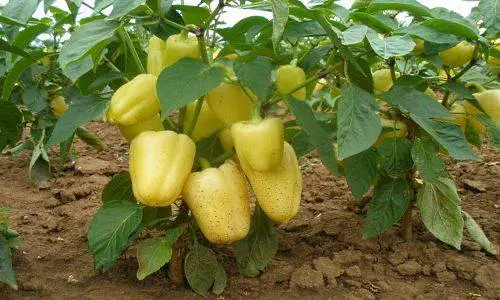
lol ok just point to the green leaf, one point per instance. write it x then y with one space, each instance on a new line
64 151
39 168
395 155
101 4
354 34
428 34
111 230
360 171
440 209
317 135
15 72
184 81
411 6
12 48
492 129
490 11
35 99
303 29
152 254
379 23
358 124
82 110
314 57
356 77
84 39
256 75
200 267
20 10
449 136
220 280
89 138
477 234
391 46
389 203
193 14
25 37
123 7
452 27
471 135
77 68
408 99
119 188
10 122
427 161
172 234
259 247
280 17
7 274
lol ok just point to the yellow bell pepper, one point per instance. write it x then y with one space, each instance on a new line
206 124
457 55
58 105
131 131
160 163
134 101
218 199
490 102
157 56
226 140
259 143
181 45
419 46
278 191
288 77
382 80
492 60
230 103
398 129
459 115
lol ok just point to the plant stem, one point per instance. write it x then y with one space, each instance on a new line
222 158
200 35
391 64
189 130
256 111
407 221
126 38
176 25
214 14
112 66
204 164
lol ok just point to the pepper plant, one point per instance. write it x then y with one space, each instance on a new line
382 92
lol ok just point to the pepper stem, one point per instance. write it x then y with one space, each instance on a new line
204 164
184 34
256 111
476 85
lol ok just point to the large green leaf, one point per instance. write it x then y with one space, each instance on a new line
317 135
395 155
490 11
411 6
428 34
427 161
84 39
118 188
35 99
389 203
82 110
379 23
356 77
477 234
358 124
25 37
391 46
111 230
354 34
7 274
314 57
10 122
440 209
15 72
360 171
152 254
202 269
280 17
259 247
77 68
123 7
452 27
303 29
448 135
20 10
256 75
39 168
184 81
5 46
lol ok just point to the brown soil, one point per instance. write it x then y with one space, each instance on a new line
321 254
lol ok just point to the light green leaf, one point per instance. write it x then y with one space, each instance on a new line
391 46
490 10
39 168
411 6
440 209
389 203
111 230
354 34
427 161
358 124
17 70
256 75
77 68
452 27
377 22
184 81
280 17
477 234
152 254
123 7
7 274
20 10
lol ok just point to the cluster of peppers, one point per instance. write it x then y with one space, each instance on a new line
161 161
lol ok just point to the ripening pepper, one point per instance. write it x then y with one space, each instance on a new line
206 124
230 103
419 46
288 77
181 45
218 199
134 101
493 60
382 80
160 163
259 143
391 128
58 105
457 55
490 102
459 115
157 56
131 131
226 140
277 191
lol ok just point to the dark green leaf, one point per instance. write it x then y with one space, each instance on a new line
411 6
34 99
123 7
82 110
256 75
184 81
15 72
379 23
7 274
389 203
428 34
452 27
64 151
25 37
314 57
358 124
10 122
4 46
152 254
471 135
220 280
360 171
111 230
493 130
280 17
440 209
20 10
172 234
77 68
89 138
193 14
200 267
490 11
356 77
395 155
427 161
303 29
259 247
119 188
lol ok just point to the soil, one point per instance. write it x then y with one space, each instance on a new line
321 256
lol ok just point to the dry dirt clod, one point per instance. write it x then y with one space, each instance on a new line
353 271
347 257
398 257
67 196
51 202
474 185
409 268
89 165
364 294
488 276
445 276
307 278
329 269
277 271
